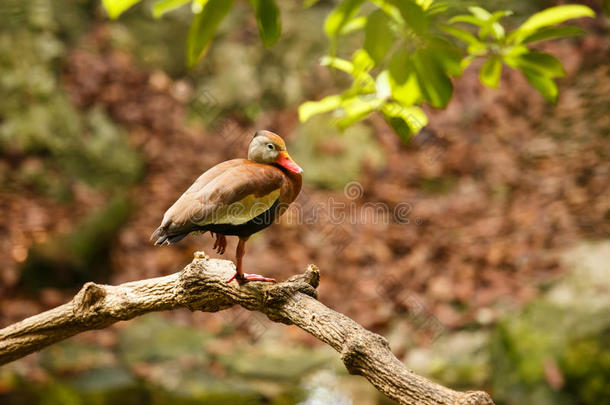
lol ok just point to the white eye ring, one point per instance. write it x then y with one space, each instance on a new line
270 146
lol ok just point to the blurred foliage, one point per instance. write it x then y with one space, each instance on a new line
332 158
54 147
160 361
36 117
555 351
81 255
410 50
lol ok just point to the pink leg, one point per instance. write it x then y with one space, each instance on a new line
220 244
240 276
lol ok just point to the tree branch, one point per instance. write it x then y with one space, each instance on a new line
201 286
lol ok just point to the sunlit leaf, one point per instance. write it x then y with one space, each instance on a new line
490 72
461 34
362 61
363 81
467 19
544 84
403 79
165 6
424 4
356 108
405 121
337 63
268 20
115 8
497 15
539 62
203 28
548 17
408 93
353 25
340 15
556 15
464 63
382 85
378 37
552 32
311 108
480 13
390 10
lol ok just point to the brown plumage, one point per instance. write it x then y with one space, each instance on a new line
238 197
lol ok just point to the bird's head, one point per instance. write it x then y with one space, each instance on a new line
267 147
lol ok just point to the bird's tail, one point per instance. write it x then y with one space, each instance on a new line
162 237
159 235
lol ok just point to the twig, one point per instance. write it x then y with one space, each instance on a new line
201 286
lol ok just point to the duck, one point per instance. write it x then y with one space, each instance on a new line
238 197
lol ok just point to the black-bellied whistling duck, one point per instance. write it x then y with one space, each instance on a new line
238 197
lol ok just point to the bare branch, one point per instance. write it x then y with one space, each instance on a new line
201 286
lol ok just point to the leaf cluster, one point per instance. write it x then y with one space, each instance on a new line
409 54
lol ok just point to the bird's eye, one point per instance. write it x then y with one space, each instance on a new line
270 146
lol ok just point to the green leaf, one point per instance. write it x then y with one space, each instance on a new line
340 15
433 81
480 13
378 37
556 15
311 108
383 87
353 25
447 55
165 6
468 19
405 121
487 21
461 34
497 15
362 62
413 14
390 10
203 28
399 65
548 17
115 8
544 84
490 72
552 32
363 82
268 21
354 109
407 93
424 4
539 62
403 79
338 63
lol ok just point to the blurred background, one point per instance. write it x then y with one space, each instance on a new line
495 275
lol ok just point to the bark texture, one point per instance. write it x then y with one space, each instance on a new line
201 286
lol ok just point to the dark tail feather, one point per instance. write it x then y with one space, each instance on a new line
159 235
163 238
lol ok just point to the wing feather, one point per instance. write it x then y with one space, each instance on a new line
233 195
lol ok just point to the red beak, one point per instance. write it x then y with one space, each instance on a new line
286 162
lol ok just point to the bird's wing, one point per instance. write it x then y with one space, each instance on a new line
212 173
235 196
